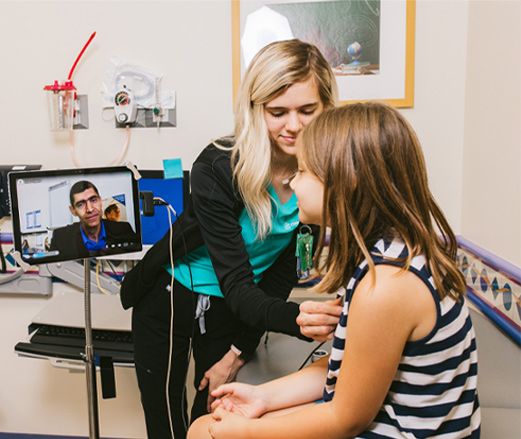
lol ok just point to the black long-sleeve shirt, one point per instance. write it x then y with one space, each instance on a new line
212 219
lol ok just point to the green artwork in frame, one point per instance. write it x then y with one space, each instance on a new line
368 43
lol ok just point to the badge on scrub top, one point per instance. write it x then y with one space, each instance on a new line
304 252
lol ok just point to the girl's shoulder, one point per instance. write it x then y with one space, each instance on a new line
398 294
395 271
392 284
393 251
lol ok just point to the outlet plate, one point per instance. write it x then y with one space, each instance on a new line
145 118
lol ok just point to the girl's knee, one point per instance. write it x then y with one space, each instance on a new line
199 428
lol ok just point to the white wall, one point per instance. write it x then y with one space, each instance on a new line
491 202
190 43
187 41
437 116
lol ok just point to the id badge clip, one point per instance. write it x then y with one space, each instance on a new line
304 252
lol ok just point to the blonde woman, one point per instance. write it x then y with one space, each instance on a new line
234 247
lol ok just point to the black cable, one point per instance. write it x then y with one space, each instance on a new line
311 354
190 345
3 265
113 269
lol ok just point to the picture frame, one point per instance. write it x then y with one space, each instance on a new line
393 79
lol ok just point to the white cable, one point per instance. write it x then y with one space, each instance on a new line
97 279
171 338
171 335
11 276
173 210
168 205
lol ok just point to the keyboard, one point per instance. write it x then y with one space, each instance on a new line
75 337
41 350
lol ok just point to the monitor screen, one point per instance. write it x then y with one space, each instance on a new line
69 214
172 190
5 206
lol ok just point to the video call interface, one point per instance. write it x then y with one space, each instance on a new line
103 218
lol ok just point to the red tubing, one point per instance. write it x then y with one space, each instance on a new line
81 53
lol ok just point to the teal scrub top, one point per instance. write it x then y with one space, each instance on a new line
262 252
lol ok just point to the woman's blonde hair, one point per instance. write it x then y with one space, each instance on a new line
375 185
272 71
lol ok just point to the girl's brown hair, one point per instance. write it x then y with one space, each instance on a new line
375 185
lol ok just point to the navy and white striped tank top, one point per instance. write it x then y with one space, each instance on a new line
433 393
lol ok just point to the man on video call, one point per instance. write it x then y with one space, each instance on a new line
91 233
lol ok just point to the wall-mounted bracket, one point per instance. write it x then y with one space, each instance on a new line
81 113
147 119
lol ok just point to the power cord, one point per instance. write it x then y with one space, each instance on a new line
170 209
171 334
114 272
193 328
160 202
11 276
98 264
3 265
317 347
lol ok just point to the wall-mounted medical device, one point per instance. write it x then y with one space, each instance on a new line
153 107
63 103
125 107
60 100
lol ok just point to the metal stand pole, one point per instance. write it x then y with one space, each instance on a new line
90 364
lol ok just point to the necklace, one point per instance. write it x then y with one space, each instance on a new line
280 168
287 180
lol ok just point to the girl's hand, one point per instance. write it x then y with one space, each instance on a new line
224 371
318 320
239 398
228 425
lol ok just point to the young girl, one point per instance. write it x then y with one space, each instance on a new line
233 247
403 362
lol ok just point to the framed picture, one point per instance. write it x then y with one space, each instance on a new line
368 43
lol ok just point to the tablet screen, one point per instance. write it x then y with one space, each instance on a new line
69 214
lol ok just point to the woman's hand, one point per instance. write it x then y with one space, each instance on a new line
224 371
318 320
228 425
239 398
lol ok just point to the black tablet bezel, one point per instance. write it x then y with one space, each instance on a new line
91 174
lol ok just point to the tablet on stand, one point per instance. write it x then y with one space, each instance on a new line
59 215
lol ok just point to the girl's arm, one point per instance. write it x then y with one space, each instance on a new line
306 385
381 320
